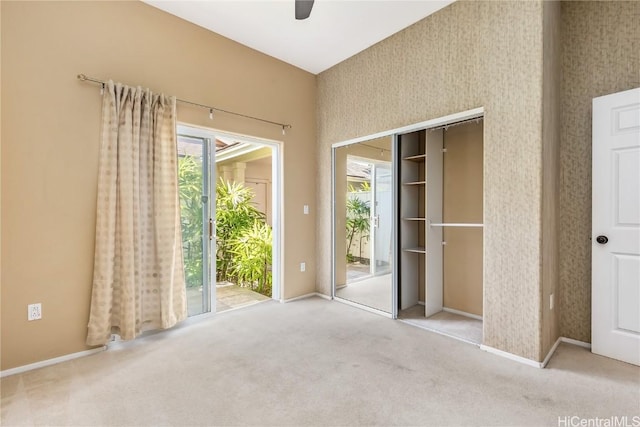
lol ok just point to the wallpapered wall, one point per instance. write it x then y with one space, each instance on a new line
549 327
467 55
600 55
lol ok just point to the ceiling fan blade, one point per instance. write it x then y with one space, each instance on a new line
303 8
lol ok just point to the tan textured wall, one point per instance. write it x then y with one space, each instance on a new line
600 55
462 202
50 131
549 327
466 55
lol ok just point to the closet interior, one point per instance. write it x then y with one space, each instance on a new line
440 229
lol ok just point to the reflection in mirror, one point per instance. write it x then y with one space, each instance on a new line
363 219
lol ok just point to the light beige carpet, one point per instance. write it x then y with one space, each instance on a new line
315 362
451 324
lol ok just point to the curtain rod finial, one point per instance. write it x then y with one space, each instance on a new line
82 77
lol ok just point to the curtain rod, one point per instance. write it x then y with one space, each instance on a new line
211 109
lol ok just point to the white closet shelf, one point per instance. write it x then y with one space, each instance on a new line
416 158
415 183
417 249
454 224
415 218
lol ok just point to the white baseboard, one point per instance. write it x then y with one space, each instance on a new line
568 341
309 295
576 342
511 356
327 297
551 352
49 362
533 363
461 313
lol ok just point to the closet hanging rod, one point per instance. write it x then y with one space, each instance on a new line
84 78
454 224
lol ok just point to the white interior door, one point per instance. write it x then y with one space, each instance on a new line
615 319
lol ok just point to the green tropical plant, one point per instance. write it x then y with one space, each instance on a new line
190 192
252 258
243 238
358 212
363 188
235 216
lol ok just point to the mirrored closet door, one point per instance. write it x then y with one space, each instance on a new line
363 223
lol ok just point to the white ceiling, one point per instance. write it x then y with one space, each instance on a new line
335 31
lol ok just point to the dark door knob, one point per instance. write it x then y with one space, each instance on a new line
602 239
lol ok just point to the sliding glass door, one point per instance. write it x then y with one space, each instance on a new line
196 213
231 184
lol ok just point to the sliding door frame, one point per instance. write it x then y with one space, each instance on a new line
428 124
277 217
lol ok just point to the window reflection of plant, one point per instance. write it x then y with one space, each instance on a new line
358 214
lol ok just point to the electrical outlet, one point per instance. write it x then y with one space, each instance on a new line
551 302
303 266
305 209
34 311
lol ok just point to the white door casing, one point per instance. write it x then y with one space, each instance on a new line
615 279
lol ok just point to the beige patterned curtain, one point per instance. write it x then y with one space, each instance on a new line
138 278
